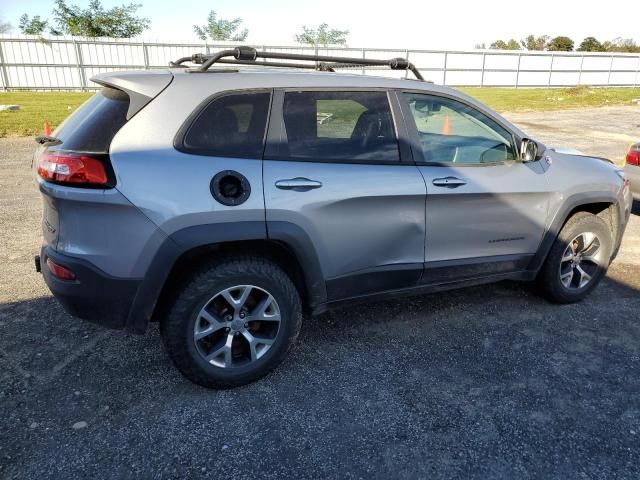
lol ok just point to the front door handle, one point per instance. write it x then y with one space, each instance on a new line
299 184
448 182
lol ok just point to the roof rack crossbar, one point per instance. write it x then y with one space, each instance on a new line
197 58
248 56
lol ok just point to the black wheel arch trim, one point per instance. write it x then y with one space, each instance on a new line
166 256
148 293
187 239
302 247
562 215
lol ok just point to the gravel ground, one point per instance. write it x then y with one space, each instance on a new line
604 132
484 382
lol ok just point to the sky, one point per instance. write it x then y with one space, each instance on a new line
427 24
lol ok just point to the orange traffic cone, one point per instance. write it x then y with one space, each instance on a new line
446 127
47 129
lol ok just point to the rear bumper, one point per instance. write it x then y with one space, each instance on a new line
94 295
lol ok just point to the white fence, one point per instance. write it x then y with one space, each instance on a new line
66 63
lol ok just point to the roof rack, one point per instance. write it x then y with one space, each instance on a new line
248 56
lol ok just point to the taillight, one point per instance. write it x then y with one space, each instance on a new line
633 157
72 169
58 271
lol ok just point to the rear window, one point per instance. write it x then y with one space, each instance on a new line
92 127
230 126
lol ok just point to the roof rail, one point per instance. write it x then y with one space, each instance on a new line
248 56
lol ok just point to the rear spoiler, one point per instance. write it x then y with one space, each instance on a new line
142 86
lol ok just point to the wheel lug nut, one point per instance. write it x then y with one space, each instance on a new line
237 333
228 318
227 329
246 325
242 314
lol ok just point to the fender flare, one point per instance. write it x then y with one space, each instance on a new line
185 240
561 217
294 237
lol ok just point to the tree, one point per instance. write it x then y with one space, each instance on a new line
322 36
502 45
220 29
95 21
535 43
32 26
590 44
560 44
626 45
5 27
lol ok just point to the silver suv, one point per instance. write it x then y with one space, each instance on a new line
227 203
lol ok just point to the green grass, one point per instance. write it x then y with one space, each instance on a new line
539 99
53 107
35 109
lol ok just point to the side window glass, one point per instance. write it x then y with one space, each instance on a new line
230 126
339 126
92 127
452 132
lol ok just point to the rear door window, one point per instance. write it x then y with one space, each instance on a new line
92 127
339 126
230 126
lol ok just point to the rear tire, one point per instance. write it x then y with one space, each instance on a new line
233 323
578 259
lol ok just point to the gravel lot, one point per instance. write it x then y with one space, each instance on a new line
483 382
605 132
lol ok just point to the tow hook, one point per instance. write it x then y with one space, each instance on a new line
36 260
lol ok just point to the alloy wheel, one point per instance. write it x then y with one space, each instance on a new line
580 261
237 326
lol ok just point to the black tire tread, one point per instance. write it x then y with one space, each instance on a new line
548 281
214 271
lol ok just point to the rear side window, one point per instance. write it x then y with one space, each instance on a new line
92 127
230 126
339 126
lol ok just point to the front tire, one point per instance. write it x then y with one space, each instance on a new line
578 259
233 323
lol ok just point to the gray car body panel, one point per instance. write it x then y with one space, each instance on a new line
569 175
359 218
578 180
502 210
101 227
141 85
633 174
171 187
385 221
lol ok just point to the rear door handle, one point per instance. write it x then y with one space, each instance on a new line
299 184
448 182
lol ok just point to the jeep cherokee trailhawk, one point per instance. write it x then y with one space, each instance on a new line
226 202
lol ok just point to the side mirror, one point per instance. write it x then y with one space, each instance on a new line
528 150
